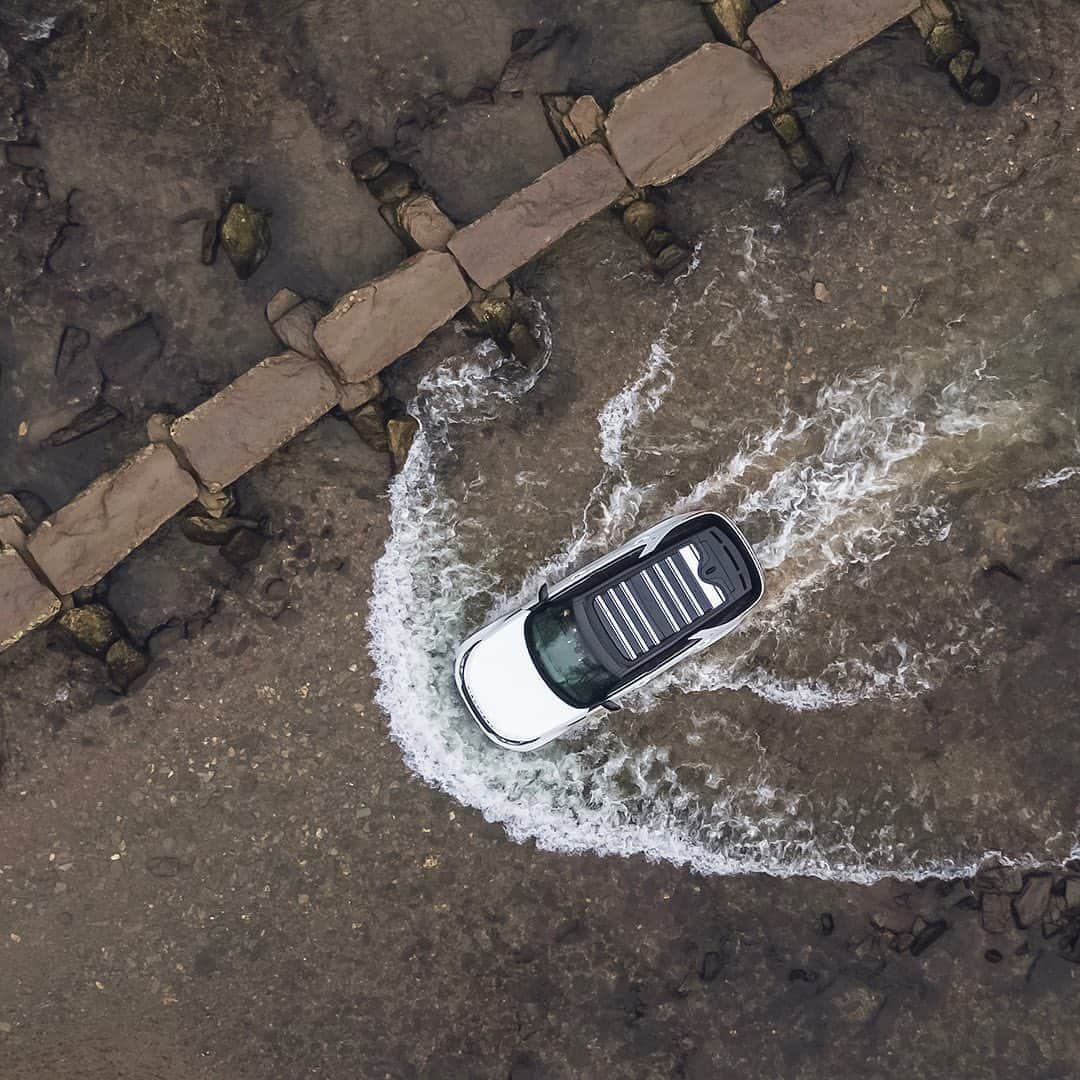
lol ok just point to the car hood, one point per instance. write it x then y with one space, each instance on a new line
503 686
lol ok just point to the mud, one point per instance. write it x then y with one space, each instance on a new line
286 852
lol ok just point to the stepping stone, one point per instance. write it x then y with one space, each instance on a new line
798 38
83 541
264 408
532 219
666 125
24 602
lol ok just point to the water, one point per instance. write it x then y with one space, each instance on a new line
840 499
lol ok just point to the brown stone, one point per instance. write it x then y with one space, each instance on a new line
24 602
357 395
83 541
532 219
375 324
14 523
92 627
996 912
1030 906
585 121
798 38
247 421
428 227
280 303
666 125
400 434
295 329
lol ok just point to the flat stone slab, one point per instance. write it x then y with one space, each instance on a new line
666 125
798 38
24 602
246 422
83 541
373 325
520 227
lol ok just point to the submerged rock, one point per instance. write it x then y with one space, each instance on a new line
245 238
92 627
1030 905
243 546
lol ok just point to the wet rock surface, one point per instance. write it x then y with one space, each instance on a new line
199 874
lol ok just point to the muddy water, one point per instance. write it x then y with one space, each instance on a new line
855 727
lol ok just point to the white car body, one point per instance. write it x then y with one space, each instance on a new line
517 706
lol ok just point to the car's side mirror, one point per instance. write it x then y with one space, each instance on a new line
611 706
543 593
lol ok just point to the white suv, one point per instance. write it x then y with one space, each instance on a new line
608 629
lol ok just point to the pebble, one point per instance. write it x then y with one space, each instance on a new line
821 291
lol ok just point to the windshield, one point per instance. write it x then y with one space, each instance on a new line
559 652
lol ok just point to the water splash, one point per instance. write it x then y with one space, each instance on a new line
821 494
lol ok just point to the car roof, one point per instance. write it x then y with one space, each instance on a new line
636 612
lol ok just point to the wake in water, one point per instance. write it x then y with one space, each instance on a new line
819 494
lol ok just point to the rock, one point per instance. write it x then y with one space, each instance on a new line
821 291
126 359
1030 905
245 238
78 377
656 241
89 420
400 434
426 225
84 540
244 547
243 424
996 913
670 261
357 395
375 324
204 529
14 523
393 184
24 602
542 61
711 965
827 923
370 166
799 38
640 218
999 878
494 315
530 220
927 936
666 125
1055 918
93 628
125 663
1072 893
585 121
369 422
276 589
294 323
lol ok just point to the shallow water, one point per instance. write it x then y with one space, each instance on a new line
784 749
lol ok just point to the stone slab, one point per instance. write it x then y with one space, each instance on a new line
373 325
666 125
428 227
83 541
532 219
24 602
247 421
798 38
294 323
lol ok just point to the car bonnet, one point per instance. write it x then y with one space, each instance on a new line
505 688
